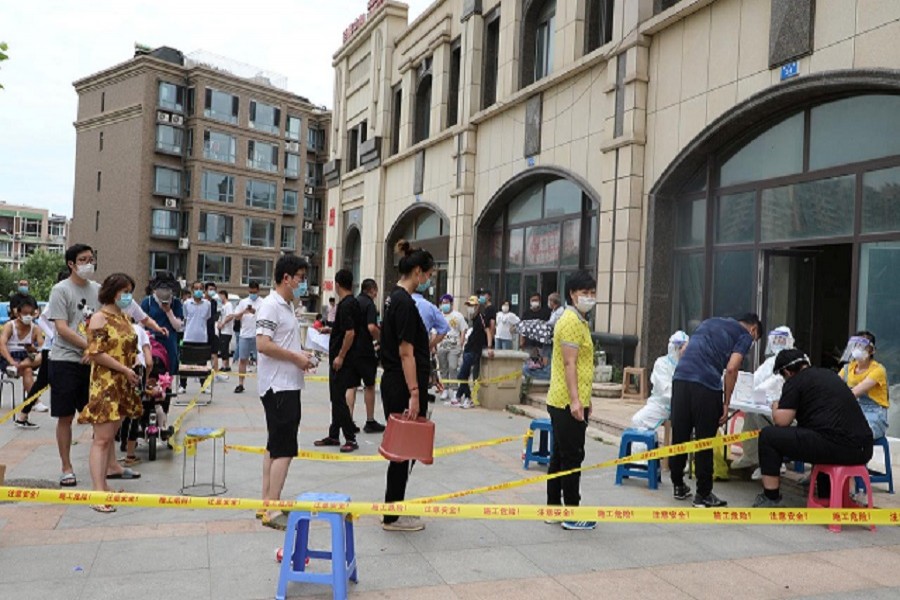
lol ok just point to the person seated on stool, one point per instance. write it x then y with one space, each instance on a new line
831 428
867 380
659 404
767 381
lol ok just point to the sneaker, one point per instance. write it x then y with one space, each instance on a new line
456 402
763 501
681 492
226 370
445 395
350 446
239 389
756 475
553 521
26 424
327 441
579 525
206 390
40 407
221 377
710 501
181 390
355 428
467 403
404 524
13 372
373 427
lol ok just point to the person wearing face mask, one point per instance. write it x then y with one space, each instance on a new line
659 404
367 336
506 324
768 382
554 303
449 350
480 338
16 298
431 315
112 351
245 313
196 319
569 396
867 379
699 402
536 309
212 330
164 306
406 360
489 311
19 342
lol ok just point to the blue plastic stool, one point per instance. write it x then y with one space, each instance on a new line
296 548
651 471
545 443
886 477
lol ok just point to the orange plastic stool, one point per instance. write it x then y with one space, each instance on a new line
407 439
840 476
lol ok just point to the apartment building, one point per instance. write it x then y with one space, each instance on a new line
25 230
702 157
199 166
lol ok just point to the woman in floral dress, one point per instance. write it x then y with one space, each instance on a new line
114 395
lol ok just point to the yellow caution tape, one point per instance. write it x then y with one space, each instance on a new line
31 400
505 512
176 426
665 451
335 457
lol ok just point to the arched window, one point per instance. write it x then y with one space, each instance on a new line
423 102
422 225
537 44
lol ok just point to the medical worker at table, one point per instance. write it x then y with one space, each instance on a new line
867 380
659 404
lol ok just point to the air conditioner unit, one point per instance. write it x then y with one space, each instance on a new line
184 243
310 189
171 203
162 117
177 120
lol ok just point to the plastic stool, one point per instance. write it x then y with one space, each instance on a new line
296 548
545 443
888 475
651 471
192 438
840 476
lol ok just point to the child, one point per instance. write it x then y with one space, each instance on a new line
131 428
19 342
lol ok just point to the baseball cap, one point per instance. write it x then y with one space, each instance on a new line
447 298
472 301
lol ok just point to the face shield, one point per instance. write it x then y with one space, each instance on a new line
780 339
677 342
857 348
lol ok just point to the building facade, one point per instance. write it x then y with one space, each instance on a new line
197 166
702 157
25 230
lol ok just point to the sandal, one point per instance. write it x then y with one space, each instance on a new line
68 480
125 474
130 461
278 522
103 508
327 441
261 513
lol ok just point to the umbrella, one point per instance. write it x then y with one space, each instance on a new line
537 330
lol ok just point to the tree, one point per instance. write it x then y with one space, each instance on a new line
41 270
3 55
7 284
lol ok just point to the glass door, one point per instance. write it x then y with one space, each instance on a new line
789 295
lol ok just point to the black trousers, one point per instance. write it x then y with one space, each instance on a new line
395 399
567 453
695 409
799 443
41 381
341 419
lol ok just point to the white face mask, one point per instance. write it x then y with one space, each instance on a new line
858 354
586 304
27 319
84 271
535 305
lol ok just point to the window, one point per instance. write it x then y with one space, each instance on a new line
221 106
813 209
315 139
262 156
491 62
31 227
101 141
6 249
776 152
169 139
291 165
853 130
395 119
537 41
219 146
57 229
599 23
191 94
214 267
218 187
259 233
453 91
256 269
102 101
215 228
265 117
293 127
261 194
880 201
166 223
423 103
99 180
171 96
165 262
313 170
736 218
166 182
661 5
289 205
288 237
312 208
352 149
311 242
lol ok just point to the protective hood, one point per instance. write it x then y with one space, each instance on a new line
780 339
677 341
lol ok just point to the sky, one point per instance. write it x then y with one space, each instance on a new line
55 42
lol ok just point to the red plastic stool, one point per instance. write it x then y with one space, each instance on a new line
840 476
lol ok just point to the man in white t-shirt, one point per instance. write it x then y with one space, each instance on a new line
246 344
280 376
197 311
226 316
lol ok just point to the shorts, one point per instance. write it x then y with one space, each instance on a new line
18 355
282 422
224 346
246 348
70 385
213 341
366 368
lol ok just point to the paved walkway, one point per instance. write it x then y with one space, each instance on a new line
74 553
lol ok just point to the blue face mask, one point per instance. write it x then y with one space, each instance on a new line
423 287
23 289
198 294
213 296
253 297
301 290
482 299
125 300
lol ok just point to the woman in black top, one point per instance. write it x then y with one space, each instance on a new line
407 366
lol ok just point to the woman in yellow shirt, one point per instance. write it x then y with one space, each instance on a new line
868 381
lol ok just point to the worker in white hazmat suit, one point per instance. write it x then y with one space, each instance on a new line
659 404
765 380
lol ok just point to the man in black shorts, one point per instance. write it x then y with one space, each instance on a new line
367 333
212 330
343 374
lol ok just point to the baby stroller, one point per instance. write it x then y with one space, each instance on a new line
155 399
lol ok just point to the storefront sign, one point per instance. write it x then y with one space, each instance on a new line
360 21
329 285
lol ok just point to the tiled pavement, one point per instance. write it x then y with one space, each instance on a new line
75 553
